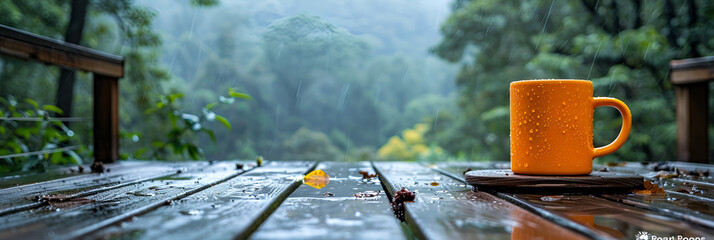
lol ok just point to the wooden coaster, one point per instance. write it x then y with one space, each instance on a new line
503 180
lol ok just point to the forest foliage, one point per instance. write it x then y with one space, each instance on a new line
341 86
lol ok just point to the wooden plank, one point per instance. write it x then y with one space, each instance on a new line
692 76
692 70
309 214
677 208
35 177
106 118
110 207
25 197
231 210
451 210
695 202
609 218
26 45
692 122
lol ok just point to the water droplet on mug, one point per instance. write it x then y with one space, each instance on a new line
531 130
531 139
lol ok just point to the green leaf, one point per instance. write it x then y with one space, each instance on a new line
159 105
56 158
210 134
204 3
173 97
158 144
211 105
52 108
32 102
224 121
233 93
140 152
194 152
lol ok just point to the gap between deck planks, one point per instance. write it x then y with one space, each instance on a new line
308 213
109 207
25 197
230 210
449 209
604 217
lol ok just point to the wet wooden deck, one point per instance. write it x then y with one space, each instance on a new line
218 200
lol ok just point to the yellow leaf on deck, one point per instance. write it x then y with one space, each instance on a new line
317 179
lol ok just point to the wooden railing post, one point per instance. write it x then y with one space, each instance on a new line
692 120
691 80
106 118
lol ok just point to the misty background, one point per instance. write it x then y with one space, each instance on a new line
330 80
345 80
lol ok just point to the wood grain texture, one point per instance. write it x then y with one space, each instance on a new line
309 214
692 70
110 207
692 122
230 210
590 211
610 218
106 118
21 44
25 197
503 180
451 210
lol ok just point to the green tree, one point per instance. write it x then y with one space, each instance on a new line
622 46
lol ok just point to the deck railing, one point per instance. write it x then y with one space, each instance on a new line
691 80
106 69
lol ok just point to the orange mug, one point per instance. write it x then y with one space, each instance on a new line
552 127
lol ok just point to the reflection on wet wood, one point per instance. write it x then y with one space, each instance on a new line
110 207
26 197
232 209
612 219
451 210
681 207
333 212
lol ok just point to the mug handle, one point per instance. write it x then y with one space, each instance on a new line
624 131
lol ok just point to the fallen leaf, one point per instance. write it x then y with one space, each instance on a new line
64 201
434 184
317 179
684 190
366 175
665 174
398 200
328 194
97 167
650 189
